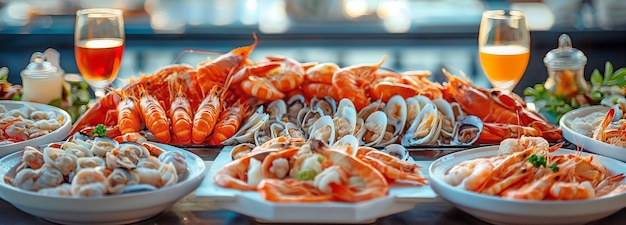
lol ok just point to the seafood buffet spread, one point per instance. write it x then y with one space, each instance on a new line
231 100
86 166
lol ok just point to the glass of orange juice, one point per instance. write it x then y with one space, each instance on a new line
503 47
98 46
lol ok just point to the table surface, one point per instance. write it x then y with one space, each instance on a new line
190 210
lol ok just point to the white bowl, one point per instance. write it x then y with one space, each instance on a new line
587 142
499 210
115 209
57 135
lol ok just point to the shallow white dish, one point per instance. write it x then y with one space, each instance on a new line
116 209
586 142
57 135
400 198
499 210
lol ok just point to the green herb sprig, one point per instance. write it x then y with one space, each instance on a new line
539 161
99 131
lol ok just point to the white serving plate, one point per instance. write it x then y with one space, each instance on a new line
400 199
499 210
586 142
114 209
57 135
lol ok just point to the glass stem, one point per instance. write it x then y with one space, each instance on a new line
99 92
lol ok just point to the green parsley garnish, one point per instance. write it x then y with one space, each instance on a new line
554 167
99 131
537 161
306 174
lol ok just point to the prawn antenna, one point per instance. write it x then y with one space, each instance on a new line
189 50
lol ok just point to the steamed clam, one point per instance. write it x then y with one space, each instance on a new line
348 144
467 130
323 129
294 105
326 104
425 128
373 129
447 120
396 111
397 151
276 109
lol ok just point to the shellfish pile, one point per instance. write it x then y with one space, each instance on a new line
26 123
91 167
414 121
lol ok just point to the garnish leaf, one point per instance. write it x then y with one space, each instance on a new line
554 167
596 78
537 161
99 131
608 71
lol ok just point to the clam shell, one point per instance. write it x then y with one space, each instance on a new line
310 117
293 131
323 129
343 104
326 104
371 108
348 144
241 150
276 109
294 105
467 130
277 129
396 111
397 151
263 134
373 129
348 115
448 119
412 109
429 121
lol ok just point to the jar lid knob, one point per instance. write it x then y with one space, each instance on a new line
565 56
565 42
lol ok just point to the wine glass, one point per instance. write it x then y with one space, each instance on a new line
503 47
98 46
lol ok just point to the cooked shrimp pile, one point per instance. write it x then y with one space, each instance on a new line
93 167
26 123
527 170
295 170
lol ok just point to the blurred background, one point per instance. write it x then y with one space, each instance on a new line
414 34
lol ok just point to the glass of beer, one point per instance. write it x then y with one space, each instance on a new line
503 47
98 46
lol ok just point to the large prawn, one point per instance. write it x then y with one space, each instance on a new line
206 116
229 121
180 115
128 114
216 72
351 82
155 116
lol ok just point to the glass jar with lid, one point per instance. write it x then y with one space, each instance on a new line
566 67
41 79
